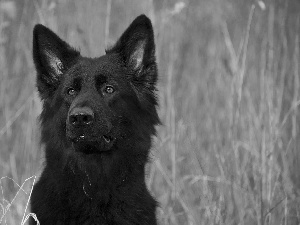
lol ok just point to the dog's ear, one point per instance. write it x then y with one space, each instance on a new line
137 49
52 57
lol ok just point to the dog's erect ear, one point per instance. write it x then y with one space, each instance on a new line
52 57
137 49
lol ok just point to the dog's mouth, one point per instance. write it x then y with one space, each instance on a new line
83 138
85 144
107 139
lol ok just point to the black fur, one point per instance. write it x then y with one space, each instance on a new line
98 117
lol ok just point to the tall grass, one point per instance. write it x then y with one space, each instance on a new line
227 152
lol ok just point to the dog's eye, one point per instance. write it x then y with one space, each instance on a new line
71 91
109 89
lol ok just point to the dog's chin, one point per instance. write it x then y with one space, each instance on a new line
92 146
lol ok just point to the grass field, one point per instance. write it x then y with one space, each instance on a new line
228 150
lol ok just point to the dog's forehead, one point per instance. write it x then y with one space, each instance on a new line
106 65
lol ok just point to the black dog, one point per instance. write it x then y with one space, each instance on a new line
98 117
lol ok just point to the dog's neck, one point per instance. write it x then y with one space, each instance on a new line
106 169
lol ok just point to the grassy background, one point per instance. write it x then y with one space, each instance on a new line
228 149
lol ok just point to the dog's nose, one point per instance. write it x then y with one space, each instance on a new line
81 116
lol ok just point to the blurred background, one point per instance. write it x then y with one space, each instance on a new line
228 150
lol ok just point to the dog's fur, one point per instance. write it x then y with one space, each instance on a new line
98 118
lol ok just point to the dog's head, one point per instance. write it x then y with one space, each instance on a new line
95 104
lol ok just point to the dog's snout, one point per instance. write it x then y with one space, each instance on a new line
81 116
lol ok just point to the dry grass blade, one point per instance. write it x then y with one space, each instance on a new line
15 116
